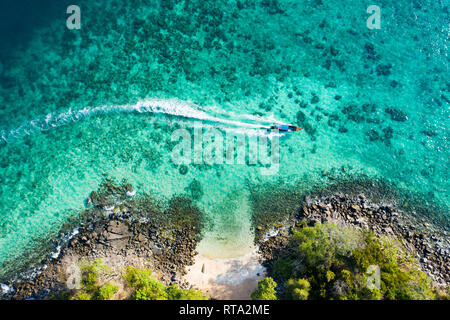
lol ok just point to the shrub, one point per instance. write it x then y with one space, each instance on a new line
282 268
332 262
266 290
82 296
90 273
175 293
145 287
107 291
64 295
324 244
443 293
297 289
400 283
148 288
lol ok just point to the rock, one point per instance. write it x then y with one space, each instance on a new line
183 169
130 194
429 133
118 227
370 48
361 222
196 190
342 129
396 114
387 230
373 135
383 69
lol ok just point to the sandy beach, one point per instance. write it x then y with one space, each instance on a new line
227 279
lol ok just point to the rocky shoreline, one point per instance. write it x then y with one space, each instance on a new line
122 230
421 236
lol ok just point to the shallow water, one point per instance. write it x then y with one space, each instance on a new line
76 104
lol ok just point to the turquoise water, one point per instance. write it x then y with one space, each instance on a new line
77 104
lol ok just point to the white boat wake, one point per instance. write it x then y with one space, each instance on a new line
211 116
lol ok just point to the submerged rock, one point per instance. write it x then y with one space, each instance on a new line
302 122
383 69
396 114
196 189
342 129
388 133
315 99
429 133
373 135
183 169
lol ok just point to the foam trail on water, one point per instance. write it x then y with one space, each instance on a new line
245 124
263 120
242 131
183 109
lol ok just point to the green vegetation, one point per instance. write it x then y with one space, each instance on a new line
82 296
282 267
140 281
175 293
266 290
107 291
297 289
327 261
90 273
90 288
147 288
